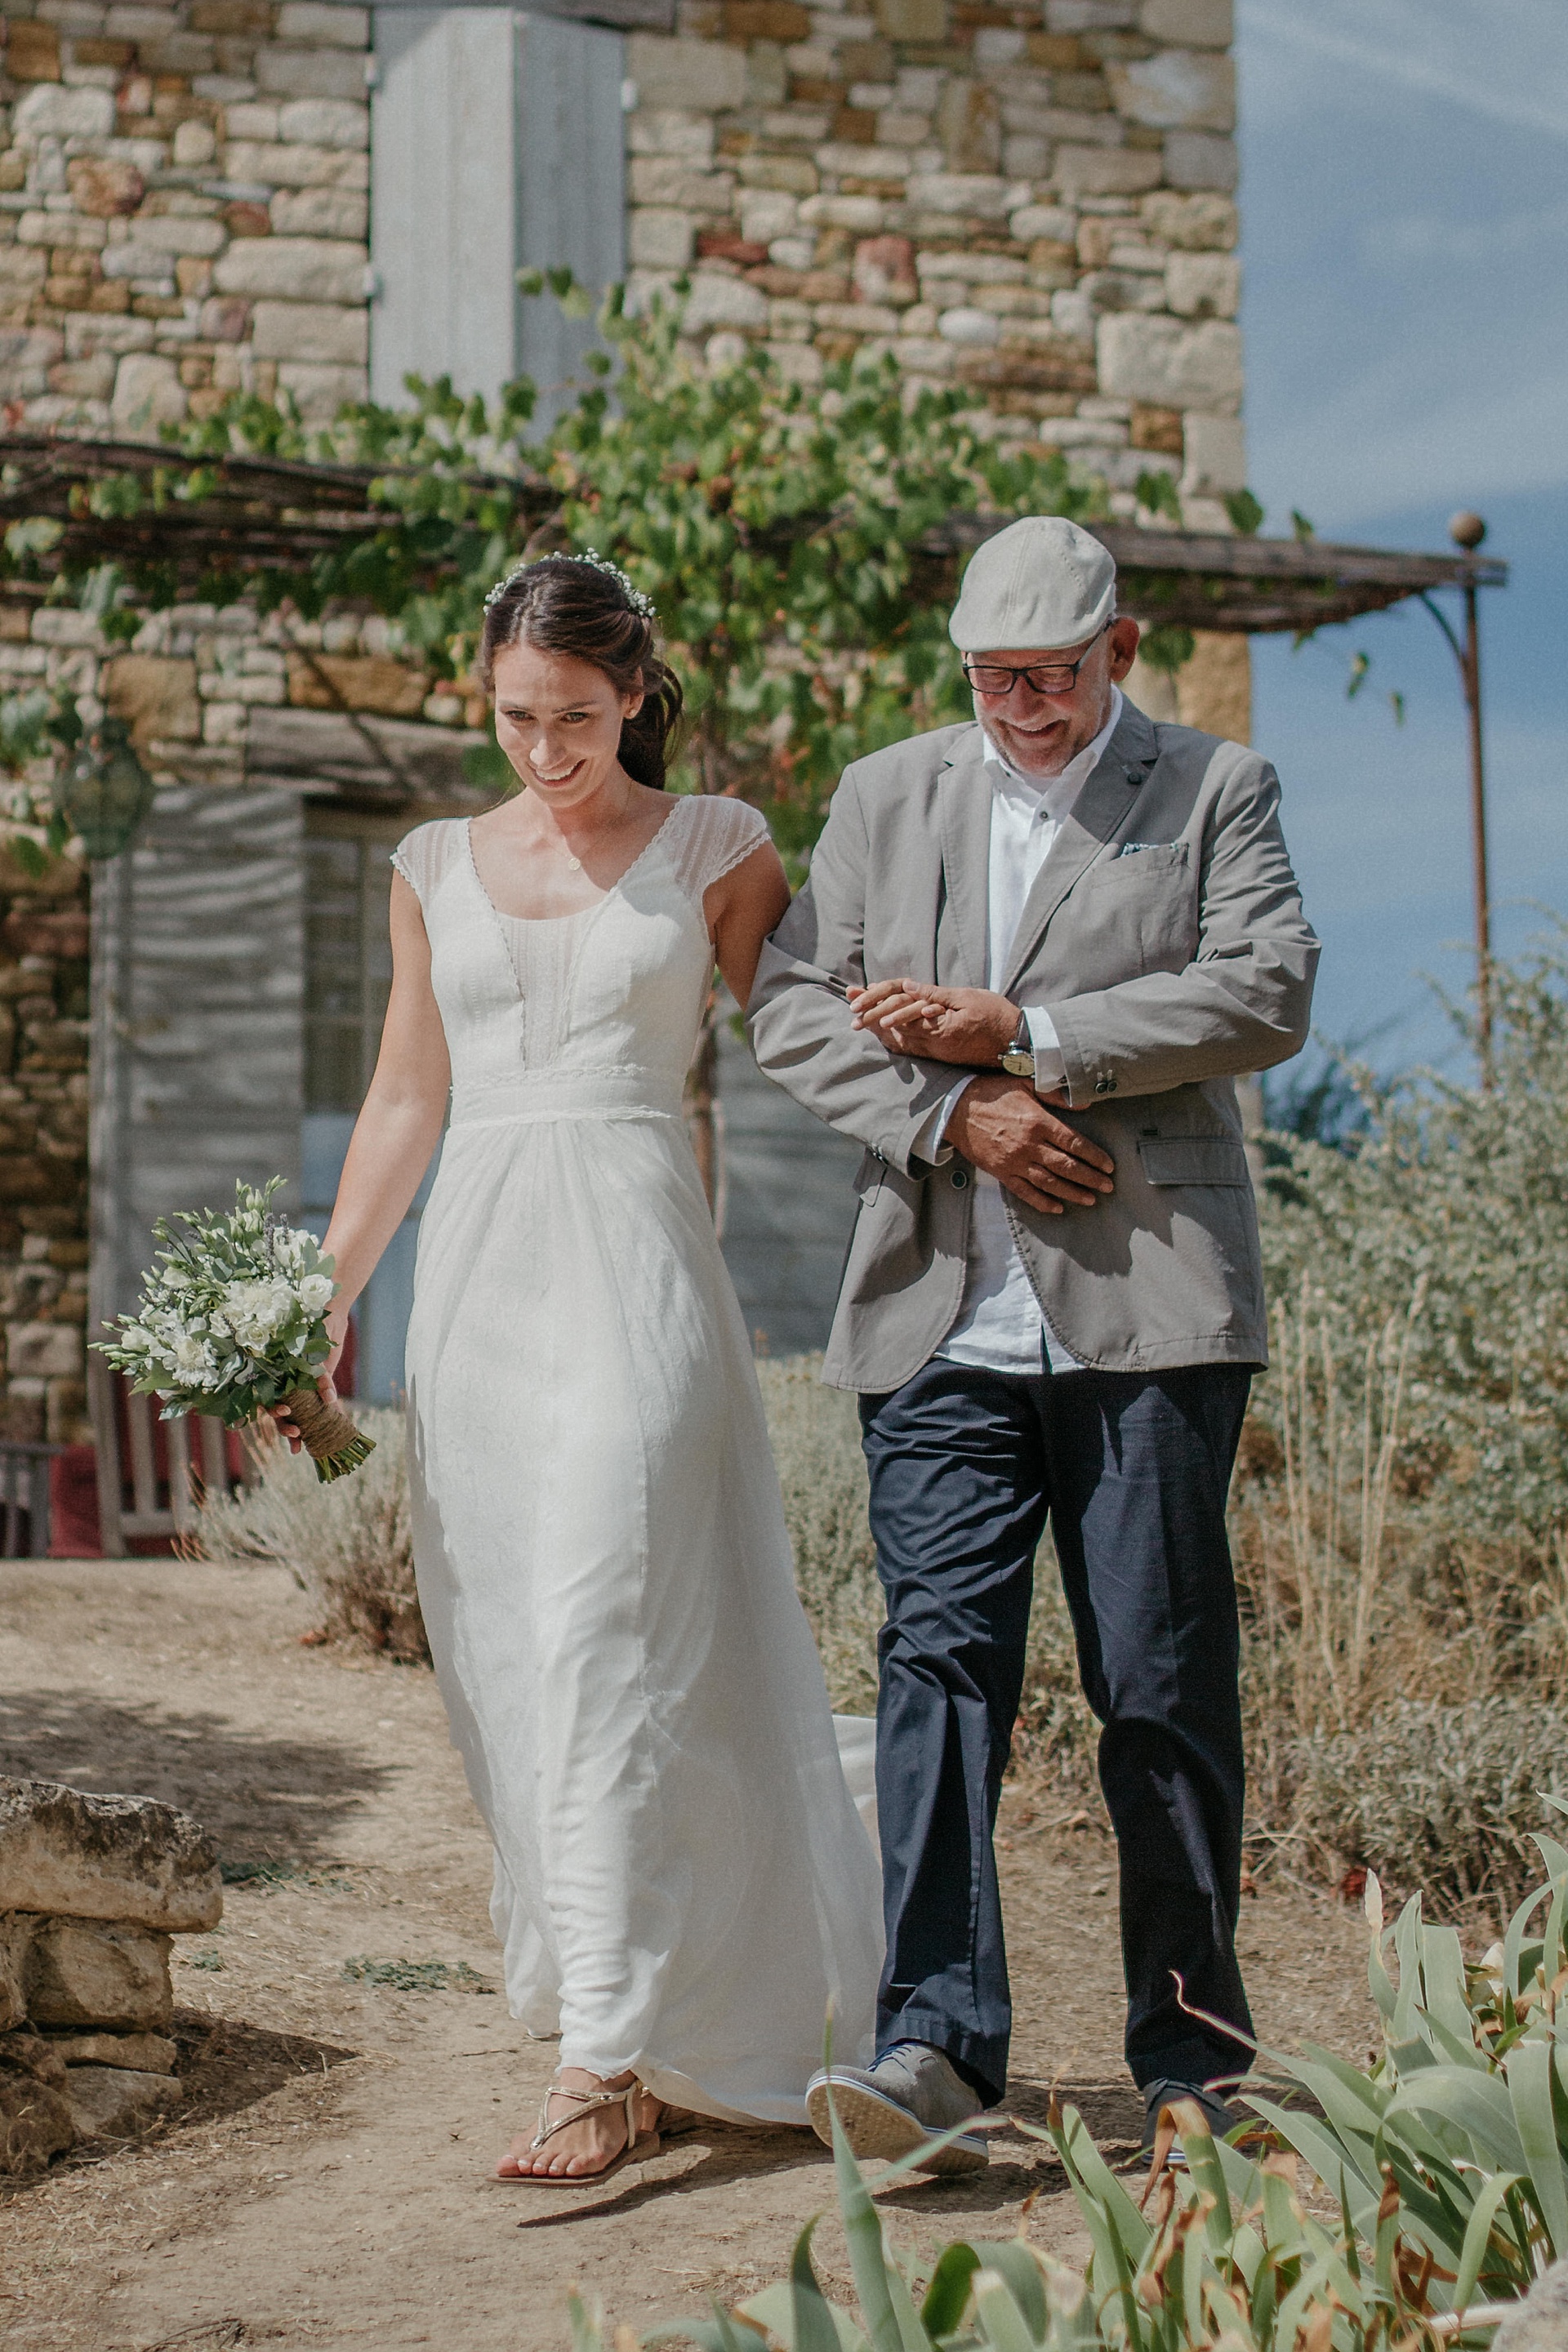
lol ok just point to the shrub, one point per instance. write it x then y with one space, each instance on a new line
348 1543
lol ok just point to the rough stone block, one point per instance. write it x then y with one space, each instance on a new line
1203 285
1195 24
723 302
668 180
324 122
766 20
147 395
43 1351
320 392
1214 686
364 681
320 212
1175 90
310 73
1173 366
1191 223
294 269
847 159
977 194
1197 159
311 333
670 130
97 1972
110 2103
22 266
35 2112
335 27
157 697
791 173
126 1859
51 110
1541 2322
282 166
913 20
143 2054
32 51
171 232
15 1937
709 77
105 186
659 238
1080 171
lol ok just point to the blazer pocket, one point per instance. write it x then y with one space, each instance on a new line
1194 1159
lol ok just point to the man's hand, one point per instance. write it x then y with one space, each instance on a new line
1001 1125
972 1025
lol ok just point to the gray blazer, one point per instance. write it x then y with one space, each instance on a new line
1167 929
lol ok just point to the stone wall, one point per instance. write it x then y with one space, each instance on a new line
183 209
1038 206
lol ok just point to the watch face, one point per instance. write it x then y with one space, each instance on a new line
1018 1065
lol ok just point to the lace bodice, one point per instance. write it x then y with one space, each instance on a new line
613 994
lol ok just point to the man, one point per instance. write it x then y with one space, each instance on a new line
1052 1301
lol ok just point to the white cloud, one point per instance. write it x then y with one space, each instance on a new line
1519 78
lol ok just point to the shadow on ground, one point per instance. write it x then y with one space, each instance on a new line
263 1799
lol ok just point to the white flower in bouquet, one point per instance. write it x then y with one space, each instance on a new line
233 1320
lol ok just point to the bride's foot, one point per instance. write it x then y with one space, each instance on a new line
577 2140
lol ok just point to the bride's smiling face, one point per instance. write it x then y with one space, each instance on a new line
558 720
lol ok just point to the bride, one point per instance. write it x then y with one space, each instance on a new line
682 1883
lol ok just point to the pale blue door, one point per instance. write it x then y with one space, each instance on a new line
348 973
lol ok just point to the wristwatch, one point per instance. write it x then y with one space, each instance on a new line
1018 1061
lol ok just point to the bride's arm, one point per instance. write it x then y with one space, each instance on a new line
398 1129
741 908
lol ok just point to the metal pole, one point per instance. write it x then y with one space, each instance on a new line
1468 531
1471 667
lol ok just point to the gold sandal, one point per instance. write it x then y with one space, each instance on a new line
637 2150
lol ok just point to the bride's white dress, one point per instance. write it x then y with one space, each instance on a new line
682 1882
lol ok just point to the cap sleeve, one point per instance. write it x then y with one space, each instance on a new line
719 834
426 855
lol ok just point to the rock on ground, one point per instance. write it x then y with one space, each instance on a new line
15 1935
97 1972
1541 2323
34 2109
111 2103
143 2053
93 1857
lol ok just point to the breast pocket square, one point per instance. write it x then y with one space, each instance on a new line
1130 848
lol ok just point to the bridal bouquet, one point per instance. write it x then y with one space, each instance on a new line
232 1321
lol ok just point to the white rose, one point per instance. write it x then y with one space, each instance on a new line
189 1354
316 1293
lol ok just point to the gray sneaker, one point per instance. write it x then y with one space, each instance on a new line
887 2109
1220 2118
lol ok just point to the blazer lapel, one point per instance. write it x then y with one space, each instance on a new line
1097 815
963 809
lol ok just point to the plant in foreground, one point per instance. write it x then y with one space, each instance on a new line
1441 2193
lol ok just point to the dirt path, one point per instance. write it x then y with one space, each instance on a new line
327 2182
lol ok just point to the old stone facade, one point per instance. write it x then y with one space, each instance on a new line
1035 202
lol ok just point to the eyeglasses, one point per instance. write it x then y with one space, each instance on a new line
1043 678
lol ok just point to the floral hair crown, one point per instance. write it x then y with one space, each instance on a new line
633 596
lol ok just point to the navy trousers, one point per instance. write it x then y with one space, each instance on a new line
1133 1470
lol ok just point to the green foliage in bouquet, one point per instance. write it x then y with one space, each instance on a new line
232 1321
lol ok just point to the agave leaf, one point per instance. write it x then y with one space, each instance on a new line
1513 1940
1074 2326
587 2324
1097 2187
1443 1969
812 2319
718 2334
1477 2237
1529 2072
1001 2322
1327 2154
947 2293
1407 1945
1476 2104
868 2254
1016 2264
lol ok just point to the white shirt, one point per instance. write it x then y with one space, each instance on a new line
998 1326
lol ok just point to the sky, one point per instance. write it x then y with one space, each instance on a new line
1405 228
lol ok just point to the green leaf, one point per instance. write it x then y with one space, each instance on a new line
867 2254
1477 2236
947 2293
811 2318
1002 2324
1528 2068
1245 512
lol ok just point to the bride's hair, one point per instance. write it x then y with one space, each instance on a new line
567 604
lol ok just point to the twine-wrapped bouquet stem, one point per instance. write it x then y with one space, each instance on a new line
328 1436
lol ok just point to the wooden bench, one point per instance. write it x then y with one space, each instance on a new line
138 1497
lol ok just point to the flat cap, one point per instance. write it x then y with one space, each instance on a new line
1040 583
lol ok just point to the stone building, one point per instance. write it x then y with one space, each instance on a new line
208 196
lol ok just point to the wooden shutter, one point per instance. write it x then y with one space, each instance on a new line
497 145
571 159
197 989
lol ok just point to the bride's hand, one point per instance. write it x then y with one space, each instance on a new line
337 1332
973 1026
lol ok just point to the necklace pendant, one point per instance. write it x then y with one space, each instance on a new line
575 863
